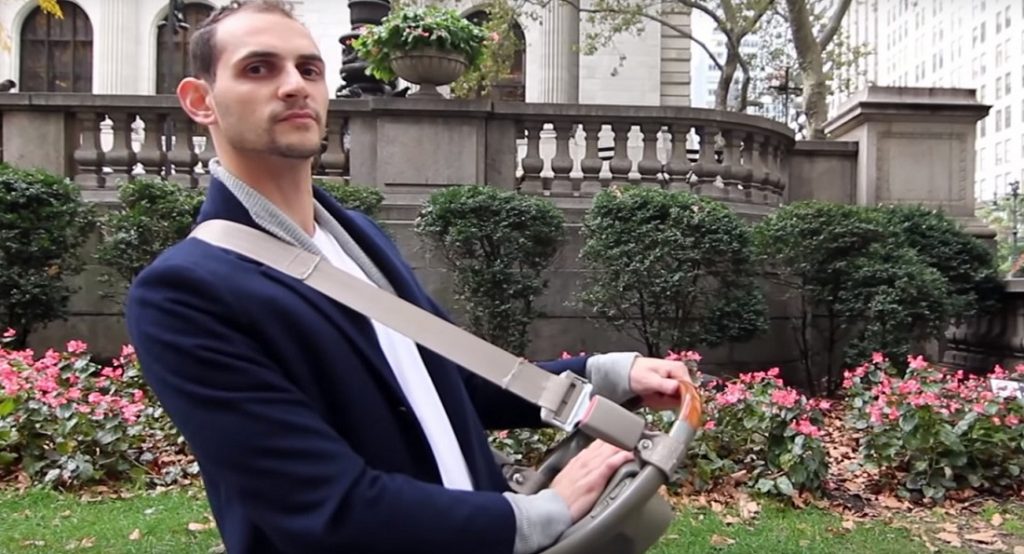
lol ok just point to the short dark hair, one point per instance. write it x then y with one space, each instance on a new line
202 46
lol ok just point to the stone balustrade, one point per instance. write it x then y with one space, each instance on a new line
579 150
554 150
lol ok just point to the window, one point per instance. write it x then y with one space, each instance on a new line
999 23
172 48
981 128
999 155
981 34
999 88
1006 81
56 54
999 54
1008 118
999 120
1006 15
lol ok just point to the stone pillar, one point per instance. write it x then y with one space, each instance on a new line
560 80
116 57
915 146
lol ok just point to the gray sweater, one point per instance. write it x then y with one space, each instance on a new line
540 518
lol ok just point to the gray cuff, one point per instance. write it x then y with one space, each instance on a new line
609 373
540 519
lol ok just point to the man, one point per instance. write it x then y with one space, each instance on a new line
317 429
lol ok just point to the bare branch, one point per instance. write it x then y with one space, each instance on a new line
830 30
658 19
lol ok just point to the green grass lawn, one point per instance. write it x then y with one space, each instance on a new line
43 521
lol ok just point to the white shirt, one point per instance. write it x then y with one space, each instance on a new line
407 364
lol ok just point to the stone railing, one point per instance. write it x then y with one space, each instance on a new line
98 140
982 342
414 145
580 149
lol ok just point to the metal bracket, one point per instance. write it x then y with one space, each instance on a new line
573 404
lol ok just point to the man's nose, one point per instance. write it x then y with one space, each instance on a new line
293 84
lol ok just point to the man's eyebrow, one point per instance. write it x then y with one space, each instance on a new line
268 54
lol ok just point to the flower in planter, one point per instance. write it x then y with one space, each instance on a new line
416 30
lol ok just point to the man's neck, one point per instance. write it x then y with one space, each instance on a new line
284 182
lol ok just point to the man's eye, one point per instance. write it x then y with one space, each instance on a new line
256 69
310 71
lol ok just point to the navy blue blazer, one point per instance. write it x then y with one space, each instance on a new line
305 441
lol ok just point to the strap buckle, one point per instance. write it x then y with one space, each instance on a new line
573 404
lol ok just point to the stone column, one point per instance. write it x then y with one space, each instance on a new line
915 146
117 65
560 80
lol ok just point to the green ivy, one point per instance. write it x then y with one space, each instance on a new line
497 245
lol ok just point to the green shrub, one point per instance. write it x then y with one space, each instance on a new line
365 199
497 245
153 215
672 269
44 223
870 279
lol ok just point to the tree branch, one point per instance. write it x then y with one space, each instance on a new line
658 19
830 30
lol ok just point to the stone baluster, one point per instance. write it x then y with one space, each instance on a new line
753 156
678 166
182 156
562 163
121 157
150 155
591 163
206 153
707 167
334 160
88 155
620 164
532 163
649 165
731 169
774 169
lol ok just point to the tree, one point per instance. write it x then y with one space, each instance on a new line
811 44
735 19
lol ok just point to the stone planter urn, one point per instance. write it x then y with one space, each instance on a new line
429 68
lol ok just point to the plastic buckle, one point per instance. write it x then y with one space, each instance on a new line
573 404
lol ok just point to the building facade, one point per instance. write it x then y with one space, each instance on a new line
974 44
125 47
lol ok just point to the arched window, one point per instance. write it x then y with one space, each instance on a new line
513 85
172 48
56 54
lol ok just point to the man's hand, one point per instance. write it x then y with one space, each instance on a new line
656 381
582 479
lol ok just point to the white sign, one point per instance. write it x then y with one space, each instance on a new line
1005 388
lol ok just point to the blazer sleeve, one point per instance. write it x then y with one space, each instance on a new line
269 454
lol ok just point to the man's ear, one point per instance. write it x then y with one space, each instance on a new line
195 98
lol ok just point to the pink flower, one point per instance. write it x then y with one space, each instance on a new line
9 333
980 408
909 386
709 424
877 357
996 420
77 347
785 398
495 37
998 372
1012 420
74 393
95 398
894 414
773 372
691 356
130 412
137 395
917 363
805 427
114 374
734 392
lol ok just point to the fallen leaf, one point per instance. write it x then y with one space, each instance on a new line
984 536
950 528
731 520
87 542
135 535
950 538
197 527
65 513
33 543
749 509
849 525
996 520
716 507
719 540
1018 550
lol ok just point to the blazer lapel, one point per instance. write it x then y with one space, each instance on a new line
220 203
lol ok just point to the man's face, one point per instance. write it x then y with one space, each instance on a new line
269 95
